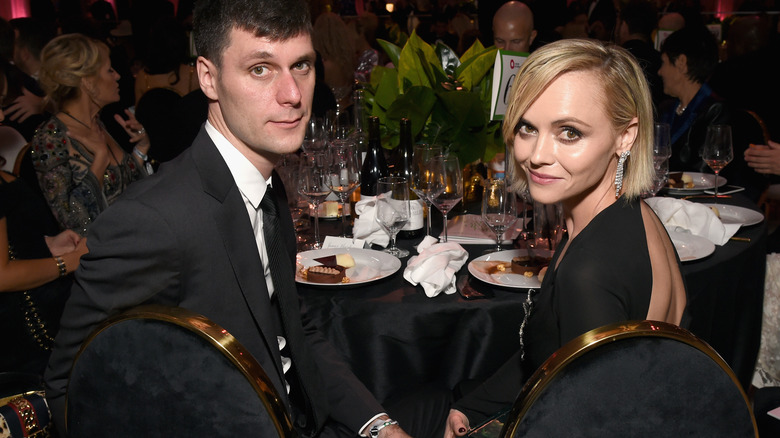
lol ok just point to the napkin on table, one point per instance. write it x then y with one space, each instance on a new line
696 218
366 227
436 266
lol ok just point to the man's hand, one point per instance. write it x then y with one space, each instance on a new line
764 158
457 424
24 106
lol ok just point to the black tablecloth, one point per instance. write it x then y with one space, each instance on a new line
397 339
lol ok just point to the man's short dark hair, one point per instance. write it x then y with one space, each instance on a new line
33 35
700 48
641 17
277 20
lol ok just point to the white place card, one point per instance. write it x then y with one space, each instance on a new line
774 413
504 72
342 242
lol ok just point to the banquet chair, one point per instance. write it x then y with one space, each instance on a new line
12 145
637 379
163 371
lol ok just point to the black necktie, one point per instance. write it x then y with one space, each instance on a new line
284 299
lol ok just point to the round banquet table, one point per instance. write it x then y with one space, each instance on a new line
397 339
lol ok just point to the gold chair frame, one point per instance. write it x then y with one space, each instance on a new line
220 339
588 341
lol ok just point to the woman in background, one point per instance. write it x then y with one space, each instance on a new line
81 168
35 260
580 127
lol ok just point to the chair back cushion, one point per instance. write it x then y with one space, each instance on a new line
150 377
643 385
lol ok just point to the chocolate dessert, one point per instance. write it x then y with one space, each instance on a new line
529 266
325 274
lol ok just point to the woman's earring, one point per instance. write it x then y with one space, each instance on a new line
619 174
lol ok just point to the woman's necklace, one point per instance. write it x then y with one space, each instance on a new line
77 120
106 177
680 109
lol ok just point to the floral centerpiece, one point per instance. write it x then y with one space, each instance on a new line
446 98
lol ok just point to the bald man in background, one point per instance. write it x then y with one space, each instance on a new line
513 27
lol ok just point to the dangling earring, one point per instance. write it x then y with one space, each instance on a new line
619 174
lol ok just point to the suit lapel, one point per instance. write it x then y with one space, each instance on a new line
234 227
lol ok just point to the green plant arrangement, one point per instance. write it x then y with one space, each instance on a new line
447 99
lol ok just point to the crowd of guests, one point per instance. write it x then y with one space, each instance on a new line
102 105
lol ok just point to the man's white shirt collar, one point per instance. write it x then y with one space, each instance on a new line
248 179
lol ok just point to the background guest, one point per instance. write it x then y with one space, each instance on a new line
513 27
81 169
335 42
35 260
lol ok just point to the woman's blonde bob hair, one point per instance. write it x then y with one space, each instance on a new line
625 95
65 61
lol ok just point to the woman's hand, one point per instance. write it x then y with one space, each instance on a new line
62 243
135 130
764 158
457 424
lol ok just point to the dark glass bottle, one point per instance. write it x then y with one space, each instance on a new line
374 165
402 166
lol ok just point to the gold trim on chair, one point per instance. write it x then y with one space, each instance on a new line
586 342
220 339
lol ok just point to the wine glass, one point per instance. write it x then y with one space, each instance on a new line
446 185
421 176
344 175
392 209
717 151
662 150
499 209
315 137
312 183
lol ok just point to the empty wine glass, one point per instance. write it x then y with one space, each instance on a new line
392 209
499 209
344 175
446 185
422 176
717 151
662 150
312 183
315 137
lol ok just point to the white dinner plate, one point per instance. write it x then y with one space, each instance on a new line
506 278
701 182
369 266
732 214
690 246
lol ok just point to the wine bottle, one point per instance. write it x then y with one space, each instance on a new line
402 167
374 165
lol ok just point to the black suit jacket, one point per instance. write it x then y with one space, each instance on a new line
183 238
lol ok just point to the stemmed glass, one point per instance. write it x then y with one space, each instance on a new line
392 209
662 150
446 185
717 151
315 137
499 209
312 183
422 176
344 175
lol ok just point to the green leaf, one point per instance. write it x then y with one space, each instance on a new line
472 71
448 58
416 105
475 49
465 107
393 51
414 65
387 90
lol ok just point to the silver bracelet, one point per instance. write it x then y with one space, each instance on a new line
140 154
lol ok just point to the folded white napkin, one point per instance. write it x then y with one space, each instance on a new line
696 218
366 227
436 266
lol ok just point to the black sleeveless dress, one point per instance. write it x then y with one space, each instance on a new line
30 319
604 277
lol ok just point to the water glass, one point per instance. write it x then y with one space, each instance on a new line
313 185
446 186
422 177
393 209
499 209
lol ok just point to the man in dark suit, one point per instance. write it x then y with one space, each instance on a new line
195 234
